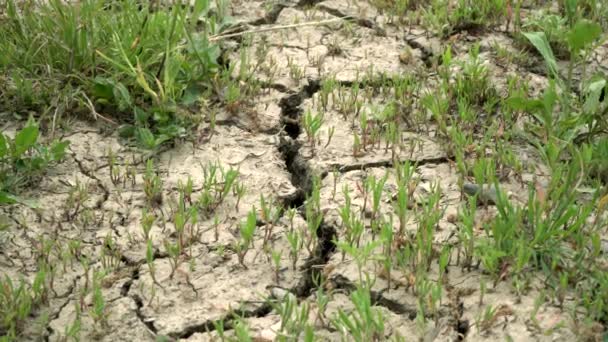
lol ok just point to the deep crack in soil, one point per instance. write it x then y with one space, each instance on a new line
301 177
342 283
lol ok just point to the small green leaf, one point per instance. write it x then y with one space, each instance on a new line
594 91
58 149
582 34
25 139
523 104
126 131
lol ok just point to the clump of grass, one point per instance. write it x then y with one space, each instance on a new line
449 17
16 305
125 62
247 231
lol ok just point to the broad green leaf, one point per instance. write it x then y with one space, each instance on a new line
36 163
549 99
200 9
122 96
570 6
146 138
103 88
6 198
25 139
540 42
126 131
191 95
582 34
141 116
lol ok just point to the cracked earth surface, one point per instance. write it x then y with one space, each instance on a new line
266 142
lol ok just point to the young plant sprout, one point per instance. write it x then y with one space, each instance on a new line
247 231
312 125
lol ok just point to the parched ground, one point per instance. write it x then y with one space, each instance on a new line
85 211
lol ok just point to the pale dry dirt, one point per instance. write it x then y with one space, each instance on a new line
266 143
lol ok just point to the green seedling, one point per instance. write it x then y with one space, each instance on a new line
153 185
356 146
185 190
473 84
405 188
42 285
276 261
291 215
16 305
184 218
336 176
241 330
174 252
77 196
327 87
147 221
216 227
229 177
110 254
312 125
352 225
313 215
296 73
269 215
377 188
330 135
295 246
365 323
486 319
75 250
150 260
239 191
72 331
220 329
247 231
322 299
466 235
387 238
115 175
99 311
361 255
294 317
428 220
216 187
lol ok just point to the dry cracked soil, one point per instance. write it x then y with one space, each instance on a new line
266 142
